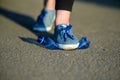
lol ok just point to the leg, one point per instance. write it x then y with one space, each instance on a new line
49 4
46 18
64 8
63 17
64 5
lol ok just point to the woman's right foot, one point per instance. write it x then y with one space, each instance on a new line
45 20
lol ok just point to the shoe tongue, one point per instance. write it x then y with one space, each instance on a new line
63 25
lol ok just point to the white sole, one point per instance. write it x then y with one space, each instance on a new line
68 46
42 29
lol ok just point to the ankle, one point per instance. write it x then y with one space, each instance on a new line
62 17
50 5
62 22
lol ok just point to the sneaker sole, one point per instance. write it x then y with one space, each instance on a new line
68 46
42 29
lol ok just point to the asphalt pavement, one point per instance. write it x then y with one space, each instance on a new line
21 58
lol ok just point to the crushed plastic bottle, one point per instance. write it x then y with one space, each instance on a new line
50 44
83 43
47 43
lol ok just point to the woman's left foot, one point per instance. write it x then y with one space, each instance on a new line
65 38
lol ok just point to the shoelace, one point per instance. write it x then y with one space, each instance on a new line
65 33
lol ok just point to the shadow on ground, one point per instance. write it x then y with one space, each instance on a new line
24 21
107 3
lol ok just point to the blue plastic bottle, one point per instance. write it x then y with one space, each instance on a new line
47 43
50 44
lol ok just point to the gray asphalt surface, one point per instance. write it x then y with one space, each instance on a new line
22 59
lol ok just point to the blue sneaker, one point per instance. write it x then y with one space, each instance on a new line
65 38
45 20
